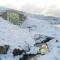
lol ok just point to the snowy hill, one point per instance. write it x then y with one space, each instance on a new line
14 36
51 19
24 37
37 25
45 28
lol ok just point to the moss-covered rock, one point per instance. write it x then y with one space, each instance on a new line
15 17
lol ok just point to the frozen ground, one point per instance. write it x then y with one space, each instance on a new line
15 37
45 28
18 37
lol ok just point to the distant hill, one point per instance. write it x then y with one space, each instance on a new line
51 19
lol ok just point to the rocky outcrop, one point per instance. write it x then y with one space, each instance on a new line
28 57
17 52
4 49
42 38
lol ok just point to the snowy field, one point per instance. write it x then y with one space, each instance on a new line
23 37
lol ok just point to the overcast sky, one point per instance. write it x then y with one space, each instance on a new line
48 6
19 3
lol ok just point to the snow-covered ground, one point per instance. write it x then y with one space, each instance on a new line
15 37
18 37
45 28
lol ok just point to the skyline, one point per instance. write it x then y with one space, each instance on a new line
45 7
19 3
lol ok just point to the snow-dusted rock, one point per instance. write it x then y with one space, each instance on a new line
42 38
17 52
4 49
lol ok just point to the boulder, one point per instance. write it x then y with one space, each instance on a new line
17 52
28 57
4 49
42 38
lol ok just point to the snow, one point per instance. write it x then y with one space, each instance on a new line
39 26
15 37
54 53
23 37
45 28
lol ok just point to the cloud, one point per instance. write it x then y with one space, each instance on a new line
45 7
31 8
52 11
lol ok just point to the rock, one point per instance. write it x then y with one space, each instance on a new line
47 39
58 46
4 49
57 41
24 58
37 36
28 57
42 38
18 52
43 49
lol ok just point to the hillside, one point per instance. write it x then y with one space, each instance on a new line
26 39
